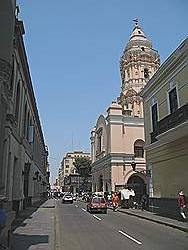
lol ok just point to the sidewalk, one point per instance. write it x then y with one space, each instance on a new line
156 218
34 228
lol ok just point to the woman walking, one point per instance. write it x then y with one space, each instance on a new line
115 201
182 204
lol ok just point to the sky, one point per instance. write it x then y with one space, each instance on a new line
74 48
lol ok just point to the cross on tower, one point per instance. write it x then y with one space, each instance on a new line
135 21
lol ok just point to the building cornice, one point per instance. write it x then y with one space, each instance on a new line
125 120
169 68
112 159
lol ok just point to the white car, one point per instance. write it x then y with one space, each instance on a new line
67 198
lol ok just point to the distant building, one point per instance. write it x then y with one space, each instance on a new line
166 128
70 179
117 140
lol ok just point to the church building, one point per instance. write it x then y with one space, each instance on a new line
117 140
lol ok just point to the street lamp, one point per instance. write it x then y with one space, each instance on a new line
133 165
147 172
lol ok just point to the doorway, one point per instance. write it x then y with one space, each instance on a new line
138 185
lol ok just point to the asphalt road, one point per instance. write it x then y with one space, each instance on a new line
76 229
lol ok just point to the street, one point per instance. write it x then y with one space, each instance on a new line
76 229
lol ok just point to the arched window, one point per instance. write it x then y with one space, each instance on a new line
139 148
99 141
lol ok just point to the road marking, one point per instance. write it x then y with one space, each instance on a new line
128 236
96 217
84 209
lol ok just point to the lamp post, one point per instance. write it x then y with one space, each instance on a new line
133 165
147 172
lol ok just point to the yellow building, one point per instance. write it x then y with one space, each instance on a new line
166 129
68 173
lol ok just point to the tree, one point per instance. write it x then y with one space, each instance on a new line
83 167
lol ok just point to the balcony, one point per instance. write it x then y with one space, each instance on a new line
175 124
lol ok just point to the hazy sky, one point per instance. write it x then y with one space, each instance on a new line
74 48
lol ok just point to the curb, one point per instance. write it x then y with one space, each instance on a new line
157 221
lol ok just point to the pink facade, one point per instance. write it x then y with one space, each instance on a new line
118 139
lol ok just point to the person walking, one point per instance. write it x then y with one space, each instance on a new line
182 204
109 199
143 202
115 201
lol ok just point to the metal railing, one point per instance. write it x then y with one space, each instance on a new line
171 121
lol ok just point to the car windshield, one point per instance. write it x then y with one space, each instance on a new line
98 200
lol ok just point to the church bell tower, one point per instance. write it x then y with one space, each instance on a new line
137 65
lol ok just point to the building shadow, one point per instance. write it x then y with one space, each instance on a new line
23 215
24 242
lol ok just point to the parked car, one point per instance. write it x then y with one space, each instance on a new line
97 204
67 198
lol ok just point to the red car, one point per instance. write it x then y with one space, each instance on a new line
97 204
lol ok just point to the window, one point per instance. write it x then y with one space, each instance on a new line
146 73
138 152
126 106
17 102
173 100
139 148
31 133
99 141
25 120
27 126
154 111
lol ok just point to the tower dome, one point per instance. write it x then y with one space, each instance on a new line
138 39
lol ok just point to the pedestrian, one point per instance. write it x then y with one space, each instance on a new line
109 199
182 204
131 202
143 202
3 219
115 201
